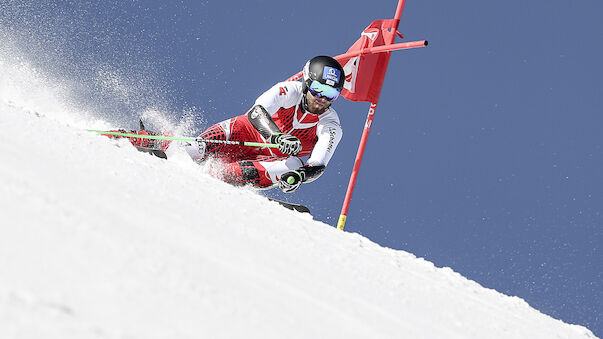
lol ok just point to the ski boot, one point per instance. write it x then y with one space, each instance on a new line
152 146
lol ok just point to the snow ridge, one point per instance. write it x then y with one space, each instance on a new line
99 240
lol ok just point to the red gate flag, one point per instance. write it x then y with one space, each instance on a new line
365 72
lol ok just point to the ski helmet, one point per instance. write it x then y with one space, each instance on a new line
324 74
325 70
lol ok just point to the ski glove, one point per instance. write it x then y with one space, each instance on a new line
287 143
290 181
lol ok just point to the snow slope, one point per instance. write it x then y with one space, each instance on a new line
98 240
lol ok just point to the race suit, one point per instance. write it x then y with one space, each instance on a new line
262 166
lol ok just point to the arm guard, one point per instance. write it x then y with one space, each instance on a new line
262 121
311 173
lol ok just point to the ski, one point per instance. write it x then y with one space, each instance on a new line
294 207
158 153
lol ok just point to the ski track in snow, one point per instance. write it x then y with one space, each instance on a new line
101 241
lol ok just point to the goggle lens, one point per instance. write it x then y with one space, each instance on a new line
319 90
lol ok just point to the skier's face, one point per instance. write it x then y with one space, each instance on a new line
317 105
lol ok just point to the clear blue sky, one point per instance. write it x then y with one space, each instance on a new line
486 153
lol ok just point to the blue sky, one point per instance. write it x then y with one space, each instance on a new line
486 149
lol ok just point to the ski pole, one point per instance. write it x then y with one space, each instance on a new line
161 137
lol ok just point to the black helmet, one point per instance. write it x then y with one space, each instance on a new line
325 70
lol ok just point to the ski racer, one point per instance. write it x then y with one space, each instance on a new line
295 115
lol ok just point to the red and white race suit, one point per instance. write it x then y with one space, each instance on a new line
263 166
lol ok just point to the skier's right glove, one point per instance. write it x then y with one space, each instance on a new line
287 143
290 181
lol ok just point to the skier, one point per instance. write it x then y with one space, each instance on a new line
295 115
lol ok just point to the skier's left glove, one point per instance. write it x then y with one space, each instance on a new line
290 181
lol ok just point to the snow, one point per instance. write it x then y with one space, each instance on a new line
98 240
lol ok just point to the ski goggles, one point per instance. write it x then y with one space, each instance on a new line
319 90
